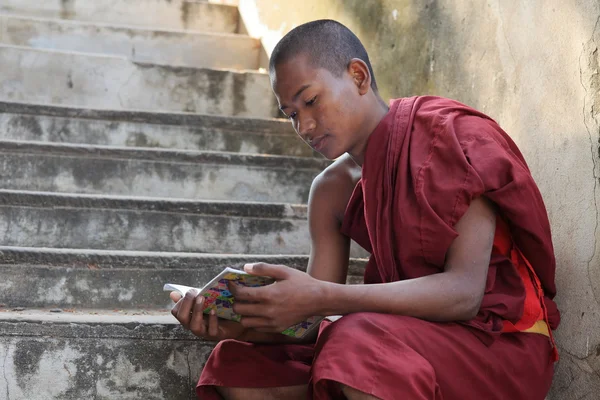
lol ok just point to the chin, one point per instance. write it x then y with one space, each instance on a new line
332 155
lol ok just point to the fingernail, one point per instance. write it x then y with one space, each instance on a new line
213 312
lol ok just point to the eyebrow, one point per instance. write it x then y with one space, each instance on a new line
298 93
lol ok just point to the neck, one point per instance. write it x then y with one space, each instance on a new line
374 116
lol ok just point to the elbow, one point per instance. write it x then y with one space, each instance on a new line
468 308
468 314
460 310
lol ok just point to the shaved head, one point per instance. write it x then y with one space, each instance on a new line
328 45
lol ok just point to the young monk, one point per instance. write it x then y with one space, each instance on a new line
457 301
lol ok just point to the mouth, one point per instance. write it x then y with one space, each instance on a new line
318 143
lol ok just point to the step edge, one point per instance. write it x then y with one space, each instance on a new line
44 257
73 22
63 325
164 155
142 64
217 208
142 116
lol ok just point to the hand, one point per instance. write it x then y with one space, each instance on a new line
274 308
188 312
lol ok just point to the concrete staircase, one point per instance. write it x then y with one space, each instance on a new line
138 147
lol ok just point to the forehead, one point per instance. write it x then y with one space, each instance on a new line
296 72
292 70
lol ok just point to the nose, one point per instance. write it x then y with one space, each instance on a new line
305 125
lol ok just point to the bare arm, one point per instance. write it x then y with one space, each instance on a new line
330 249
452 295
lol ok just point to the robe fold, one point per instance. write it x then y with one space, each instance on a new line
424 163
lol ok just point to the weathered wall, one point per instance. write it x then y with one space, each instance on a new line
533 66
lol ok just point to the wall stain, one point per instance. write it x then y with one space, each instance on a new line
28 354
239 93
140 139
25 126
185 13
67 9
216 84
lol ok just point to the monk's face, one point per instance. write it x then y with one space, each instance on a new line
324 109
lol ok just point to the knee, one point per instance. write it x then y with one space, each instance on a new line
272 393
350 324
347 332
228 393
238 393
355 394
225 345
374 324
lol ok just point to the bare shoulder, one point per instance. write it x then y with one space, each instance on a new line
332 188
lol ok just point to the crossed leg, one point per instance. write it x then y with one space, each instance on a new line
287 392
365 354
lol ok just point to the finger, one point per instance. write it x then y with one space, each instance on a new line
243 293
185 309
269 330
278 272
213 324
249 309
197 325
175 309
175 296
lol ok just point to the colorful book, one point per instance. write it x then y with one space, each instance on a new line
217 296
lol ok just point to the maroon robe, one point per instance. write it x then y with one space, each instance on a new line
424 163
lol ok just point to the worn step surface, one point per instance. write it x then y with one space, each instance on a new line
111 82
73 278
98 354
32 219
157 14
186 131
191 49
52 167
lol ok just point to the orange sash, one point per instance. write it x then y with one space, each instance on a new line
534 318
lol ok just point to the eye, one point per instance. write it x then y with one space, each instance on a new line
311 101
293 115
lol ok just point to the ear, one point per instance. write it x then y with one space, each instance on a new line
360 74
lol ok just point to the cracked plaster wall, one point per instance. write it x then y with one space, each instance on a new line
533 66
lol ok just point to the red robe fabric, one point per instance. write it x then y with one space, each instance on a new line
424 163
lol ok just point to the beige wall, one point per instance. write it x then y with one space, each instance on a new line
533 66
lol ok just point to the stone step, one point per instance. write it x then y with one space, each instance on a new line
36 219
74 278
21 121
52 167
156 14
172 47
76 221
98 354
111 82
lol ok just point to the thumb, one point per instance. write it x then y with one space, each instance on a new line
175 296
277 272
